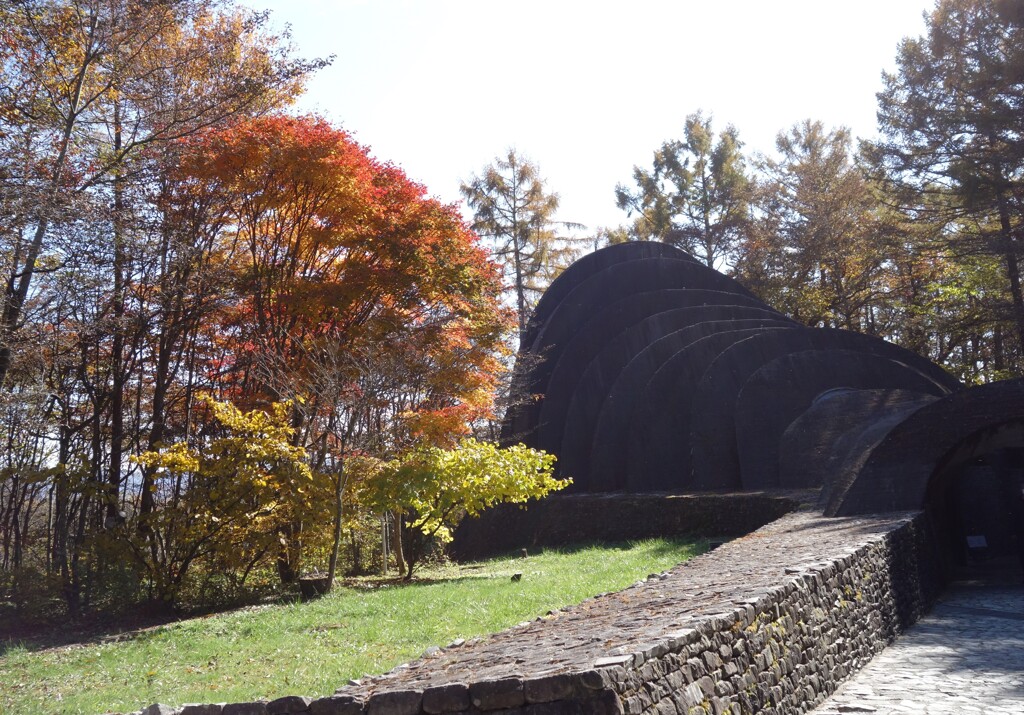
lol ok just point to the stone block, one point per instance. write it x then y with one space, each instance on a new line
719 706
202 709
675 680
591 680
605 702
450 698
707 685
633 706
497 694
254 708
665 707
711 661
548 689
288 705
656 650
649 672
336 705
395 702
613 660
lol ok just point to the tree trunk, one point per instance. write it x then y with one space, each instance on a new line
1012 267
395 528
61 511
998 362
117 377
289 555
161 382
339 494
520 289
339 490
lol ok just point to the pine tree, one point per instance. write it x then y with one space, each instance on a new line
696 194
514 210
952 116
815 244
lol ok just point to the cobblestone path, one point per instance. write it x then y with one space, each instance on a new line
965 657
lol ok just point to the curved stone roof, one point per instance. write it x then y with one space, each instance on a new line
644 371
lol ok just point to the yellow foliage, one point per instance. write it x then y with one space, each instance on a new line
230 497
440 486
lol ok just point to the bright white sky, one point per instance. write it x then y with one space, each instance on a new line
586 89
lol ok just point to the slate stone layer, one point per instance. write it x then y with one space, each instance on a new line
645 371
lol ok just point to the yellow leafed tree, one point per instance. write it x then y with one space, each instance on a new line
228 500
435 488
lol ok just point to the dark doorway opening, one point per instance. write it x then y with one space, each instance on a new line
976 499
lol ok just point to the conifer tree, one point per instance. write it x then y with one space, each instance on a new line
515 211
814 248
696 194
952 117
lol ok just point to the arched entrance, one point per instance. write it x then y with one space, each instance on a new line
976 500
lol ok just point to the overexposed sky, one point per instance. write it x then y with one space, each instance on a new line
586 89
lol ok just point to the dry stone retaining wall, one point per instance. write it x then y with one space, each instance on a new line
788 650
768 623
565 519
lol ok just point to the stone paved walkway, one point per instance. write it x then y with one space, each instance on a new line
965 657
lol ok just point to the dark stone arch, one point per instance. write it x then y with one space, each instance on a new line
975 497
853 449
714 456
589 265
783 388
622 279
896 472
587 301
599 457
658 452
812 447
603 332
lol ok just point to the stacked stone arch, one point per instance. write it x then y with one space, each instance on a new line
644 370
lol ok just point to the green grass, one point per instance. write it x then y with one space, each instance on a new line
313 648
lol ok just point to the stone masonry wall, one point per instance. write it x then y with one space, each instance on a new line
787 651
768 623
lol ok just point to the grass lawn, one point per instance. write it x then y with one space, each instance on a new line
313 648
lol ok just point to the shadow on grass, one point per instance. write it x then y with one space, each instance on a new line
37 637
144 622
18 637
662 546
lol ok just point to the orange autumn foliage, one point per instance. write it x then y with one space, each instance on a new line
345 270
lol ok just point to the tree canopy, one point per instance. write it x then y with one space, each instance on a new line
696 194
366 304
953 149
815 246
437 488
514 210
